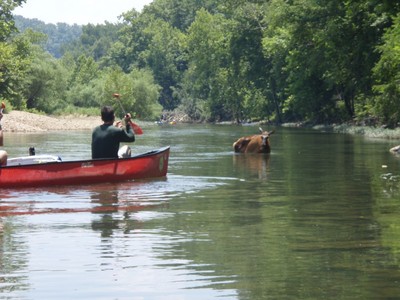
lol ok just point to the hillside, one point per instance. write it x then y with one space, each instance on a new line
59 35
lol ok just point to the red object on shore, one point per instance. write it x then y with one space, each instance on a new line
151 164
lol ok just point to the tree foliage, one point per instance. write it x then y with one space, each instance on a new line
14 53
7 24
387 74
59 36
278 60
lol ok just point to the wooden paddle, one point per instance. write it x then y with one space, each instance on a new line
3 106
136 128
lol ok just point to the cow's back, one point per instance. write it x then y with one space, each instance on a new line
241 144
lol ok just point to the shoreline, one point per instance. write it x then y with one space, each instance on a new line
25 122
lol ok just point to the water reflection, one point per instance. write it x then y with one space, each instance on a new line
12 265
257 164
313 220
116 208
107 202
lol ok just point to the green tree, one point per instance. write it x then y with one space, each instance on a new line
7 25
14 54
208 43
165 56
298 60
97 39
139 92
150 43
179 14
252 95
329 54
45 84
82 83
14 63
387 74
85 70
133 40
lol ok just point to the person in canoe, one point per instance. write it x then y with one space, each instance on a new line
3 153
106 138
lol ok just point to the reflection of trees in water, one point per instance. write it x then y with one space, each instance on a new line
386 188
108 207
390 183
10 262
115 209
107 200
311 225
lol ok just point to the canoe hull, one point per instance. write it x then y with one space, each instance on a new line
152 164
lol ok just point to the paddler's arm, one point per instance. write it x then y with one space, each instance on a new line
1 130
130 134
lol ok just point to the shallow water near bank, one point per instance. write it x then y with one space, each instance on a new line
318 218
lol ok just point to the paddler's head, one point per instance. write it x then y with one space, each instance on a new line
107 114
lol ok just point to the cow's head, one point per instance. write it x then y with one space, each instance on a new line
265 146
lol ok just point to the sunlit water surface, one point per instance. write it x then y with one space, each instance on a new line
319 218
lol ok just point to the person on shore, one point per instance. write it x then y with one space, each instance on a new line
3 153
106 138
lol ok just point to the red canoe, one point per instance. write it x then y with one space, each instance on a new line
147 165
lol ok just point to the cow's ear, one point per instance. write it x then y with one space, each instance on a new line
271 132
261 130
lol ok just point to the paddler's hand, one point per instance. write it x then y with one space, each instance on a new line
119 124
127 118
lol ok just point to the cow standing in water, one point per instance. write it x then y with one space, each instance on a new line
258 143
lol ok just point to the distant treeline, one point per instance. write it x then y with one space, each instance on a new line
277 60
59 35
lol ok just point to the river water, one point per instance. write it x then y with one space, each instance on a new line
319 218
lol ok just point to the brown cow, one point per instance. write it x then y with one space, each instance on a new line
258 143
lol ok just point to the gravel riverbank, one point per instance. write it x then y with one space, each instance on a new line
20 121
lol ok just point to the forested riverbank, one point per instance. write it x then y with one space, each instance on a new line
20 122
274 60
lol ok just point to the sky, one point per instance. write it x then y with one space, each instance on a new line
79 12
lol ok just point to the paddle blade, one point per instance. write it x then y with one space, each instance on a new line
136 128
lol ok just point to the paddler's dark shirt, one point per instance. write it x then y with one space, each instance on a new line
106 139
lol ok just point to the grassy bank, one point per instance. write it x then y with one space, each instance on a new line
367 131
371 132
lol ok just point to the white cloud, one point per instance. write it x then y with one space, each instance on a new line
79 12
